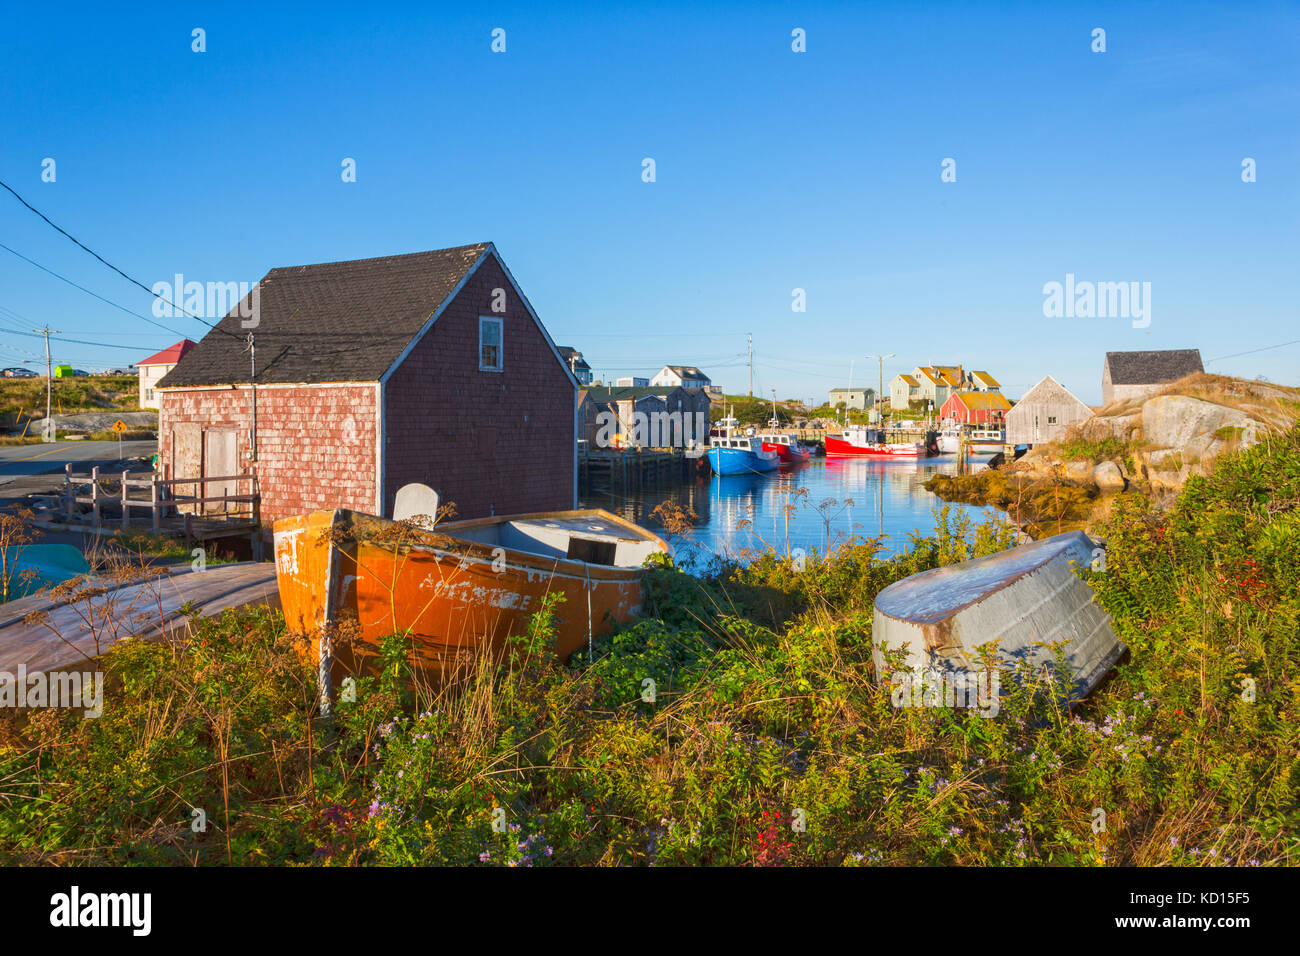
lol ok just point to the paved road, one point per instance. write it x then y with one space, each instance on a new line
32 469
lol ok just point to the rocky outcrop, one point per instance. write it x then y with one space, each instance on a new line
1153 445
1122 427
1183 436
1108 477
1196 428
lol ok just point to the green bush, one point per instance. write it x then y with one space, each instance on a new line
766 739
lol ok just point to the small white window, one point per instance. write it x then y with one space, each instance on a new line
489 345
1051 419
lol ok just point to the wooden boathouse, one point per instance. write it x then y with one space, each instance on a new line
352 379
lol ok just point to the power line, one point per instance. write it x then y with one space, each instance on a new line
1252 351
58 338
654 335
115 305
7 313
82 245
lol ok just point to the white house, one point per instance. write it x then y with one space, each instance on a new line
681 376
859 398
577 364
155 367
903 389
937 383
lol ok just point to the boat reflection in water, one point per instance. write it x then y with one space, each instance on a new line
738 514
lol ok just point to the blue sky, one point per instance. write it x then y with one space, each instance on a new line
775 170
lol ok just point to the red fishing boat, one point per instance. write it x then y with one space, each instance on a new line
787 446
859 442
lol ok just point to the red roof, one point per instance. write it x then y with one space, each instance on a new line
170 355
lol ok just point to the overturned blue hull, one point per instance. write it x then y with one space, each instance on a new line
1026 600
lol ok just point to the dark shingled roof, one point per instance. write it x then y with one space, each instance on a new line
1150 368
622 393
688 372
569 354
332 322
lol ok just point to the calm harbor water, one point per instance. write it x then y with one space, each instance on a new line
845 496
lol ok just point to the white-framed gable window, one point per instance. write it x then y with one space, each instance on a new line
490 357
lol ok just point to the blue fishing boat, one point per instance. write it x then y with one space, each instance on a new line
733 453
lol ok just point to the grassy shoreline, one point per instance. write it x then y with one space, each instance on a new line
765 713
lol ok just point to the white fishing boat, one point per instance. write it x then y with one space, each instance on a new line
986 441
1026 598
787 446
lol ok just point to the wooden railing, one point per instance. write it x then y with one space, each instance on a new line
162 499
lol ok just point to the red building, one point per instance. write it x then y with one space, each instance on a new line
430 367
153 369
975 408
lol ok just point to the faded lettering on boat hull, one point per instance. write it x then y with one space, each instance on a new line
456 599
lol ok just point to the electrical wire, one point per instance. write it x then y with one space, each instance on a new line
96 295
1267 348
92 252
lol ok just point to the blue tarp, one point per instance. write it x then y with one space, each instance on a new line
52 564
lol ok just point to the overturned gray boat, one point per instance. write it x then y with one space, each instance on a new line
1026 598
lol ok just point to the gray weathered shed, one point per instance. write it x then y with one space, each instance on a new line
1139 374
1044 413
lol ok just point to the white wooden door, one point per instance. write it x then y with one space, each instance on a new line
220 460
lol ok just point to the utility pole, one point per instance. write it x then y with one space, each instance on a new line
880 401
49 378
751 364
252 387
848 397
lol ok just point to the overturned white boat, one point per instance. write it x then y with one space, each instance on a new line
1027 598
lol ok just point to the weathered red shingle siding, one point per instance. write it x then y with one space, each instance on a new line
316 443
489 442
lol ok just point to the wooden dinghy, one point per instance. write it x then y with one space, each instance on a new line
1025 598
458 590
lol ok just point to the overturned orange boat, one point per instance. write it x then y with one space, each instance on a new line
456 590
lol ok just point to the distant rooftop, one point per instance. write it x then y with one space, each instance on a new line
686 371
982 401
1151 368
170 355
